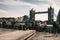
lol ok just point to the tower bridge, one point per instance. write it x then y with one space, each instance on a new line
50 12
41 12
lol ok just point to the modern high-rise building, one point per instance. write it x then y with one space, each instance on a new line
58 17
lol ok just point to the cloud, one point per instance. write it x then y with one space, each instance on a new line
35 1
15 3
4 7
21 7
3 13
57 1
1 0
55 5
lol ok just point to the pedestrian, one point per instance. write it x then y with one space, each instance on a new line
13 24
55 27
3 24
41 24
45 26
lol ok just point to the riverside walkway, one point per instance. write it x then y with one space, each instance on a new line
18 35
46 36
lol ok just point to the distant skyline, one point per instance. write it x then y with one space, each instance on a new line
17 8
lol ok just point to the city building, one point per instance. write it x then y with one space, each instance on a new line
58 17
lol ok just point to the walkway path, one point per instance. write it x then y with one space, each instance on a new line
45 36
5 30
17 35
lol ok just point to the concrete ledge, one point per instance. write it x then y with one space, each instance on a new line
29 36
18 35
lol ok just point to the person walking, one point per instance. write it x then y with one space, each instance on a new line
4 24
45 26
55 27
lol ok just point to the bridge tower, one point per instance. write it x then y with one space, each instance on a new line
50 14
32 15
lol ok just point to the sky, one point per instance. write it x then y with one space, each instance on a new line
18 8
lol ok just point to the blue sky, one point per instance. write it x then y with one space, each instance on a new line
17 8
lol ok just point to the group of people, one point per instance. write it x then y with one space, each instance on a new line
41 26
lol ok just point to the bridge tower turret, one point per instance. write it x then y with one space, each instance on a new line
32 15
50 14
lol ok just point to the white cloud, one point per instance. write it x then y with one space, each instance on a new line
4 13
38 7
15 3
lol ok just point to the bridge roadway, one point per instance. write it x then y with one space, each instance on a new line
18 35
